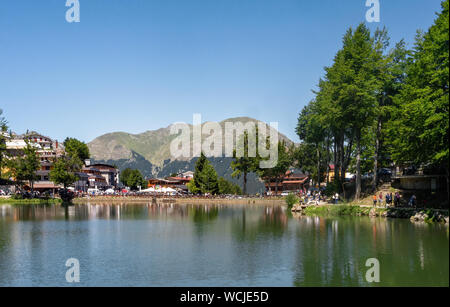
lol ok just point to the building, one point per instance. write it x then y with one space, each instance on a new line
161 183
82 184
95 178
101 176
178 183
109 172
330 178
188 174
47 150
294 181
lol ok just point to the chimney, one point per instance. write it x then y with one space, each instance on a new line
56 144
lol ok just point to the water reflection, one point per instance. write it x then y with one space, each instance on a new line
204 245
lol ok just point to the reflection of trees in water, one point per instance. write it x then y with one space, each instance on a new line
328 253
271 222
202 216
204 213
332 252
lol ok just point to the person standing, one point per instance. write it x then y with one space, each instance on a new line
336 198
380 199
412 201
375 200
397 199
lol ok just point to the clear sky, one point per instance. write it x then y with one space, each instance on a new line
137 65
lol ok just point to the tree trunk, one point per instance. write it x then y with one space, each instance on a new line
448 183
342 169
358 165
337 160
318 166
276 186
244 190
377 149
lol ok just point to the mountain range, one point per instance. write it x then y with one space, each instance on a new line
150 153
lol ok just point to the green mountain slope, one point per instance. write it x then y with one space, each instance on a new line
150 153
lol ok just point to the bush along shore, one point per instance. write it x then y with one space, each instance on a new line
415 215
32 201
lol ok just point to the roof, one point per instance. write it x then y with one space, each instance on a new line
18 144
162 180
102 165
179 178
295 181
45 185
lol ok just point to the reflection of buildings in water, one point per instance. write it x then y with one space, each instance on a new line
421 255
275 215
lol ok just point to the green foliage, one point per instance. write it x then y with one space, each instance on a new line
419 128
291 200
227 187
76 149
3 129
205 178
285 160
24 167
244 164
132 178
375 107
63 171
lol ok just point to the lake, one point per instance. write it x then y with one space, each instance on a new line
216 245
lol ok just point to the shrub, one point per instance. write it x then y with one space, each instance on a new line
291 200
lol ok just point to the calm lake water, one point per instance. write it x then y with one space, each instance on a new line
197 245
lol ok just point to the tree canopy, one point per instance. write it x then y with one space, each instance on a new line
205 178
376 106
132 178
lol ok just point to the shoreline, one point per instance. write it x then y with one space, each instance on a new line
188 200
414 214
34 201
429 215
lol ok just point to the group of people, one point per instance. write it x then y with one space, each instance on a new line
389 199
392 198
315 196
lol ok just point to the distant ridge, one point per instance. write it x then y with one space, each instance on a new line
150 153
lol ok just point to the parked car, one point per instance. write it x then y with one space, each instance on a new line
410 170
384 172
367 176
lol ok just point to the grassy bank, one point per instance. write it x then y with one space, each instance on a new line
418 215
34 201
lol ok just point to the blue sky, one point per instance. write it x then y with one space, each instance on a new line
137 65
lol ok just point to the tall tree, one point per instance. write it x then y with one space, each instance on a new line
420 125
393 74
311 130
244 165
64 171
24 167
3 129
132 178
76 149
205 178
